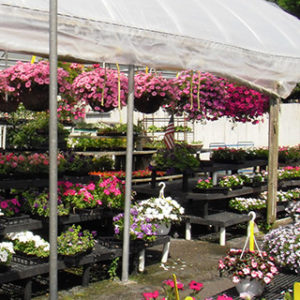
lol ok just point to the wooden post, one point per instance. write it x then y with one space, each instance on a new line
273 160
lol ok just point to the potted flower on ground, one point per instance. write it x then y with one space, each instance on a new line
284 244
252 269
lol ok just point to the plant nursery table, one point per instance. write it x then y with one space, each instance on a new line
220 220
26 271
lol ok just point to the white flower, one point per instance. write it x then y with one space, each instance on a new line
3 256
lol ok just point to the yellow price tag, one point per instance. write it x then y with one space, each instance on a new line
251 238
296 290
175 287
33 59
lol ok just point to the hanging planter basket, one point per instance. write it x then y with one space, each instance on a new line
11 105
148 104
96 106
36 99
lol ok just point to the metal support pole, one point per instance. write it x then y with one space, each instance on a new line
53 149
128 178
273 160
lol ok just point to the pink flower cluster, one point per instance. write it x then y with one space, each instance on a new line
23 77
79 195
32 163
111 191
252 264
101 84
69 111
169 287
200 95
203 96
9 207
152 85
244 104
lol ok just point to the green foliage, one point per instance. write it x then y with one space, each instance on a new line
74 241
113 268
180 158
85 144
33 134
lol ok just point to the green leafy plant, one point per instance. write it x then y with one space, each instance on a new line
34 134
112 271
180 158
231 181
204 183
74 241
36 202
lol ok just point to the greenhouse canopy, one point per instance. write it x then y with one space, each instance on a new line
253 40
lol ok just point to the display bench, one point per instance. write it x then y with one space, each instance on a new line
220 220
25 272
24 269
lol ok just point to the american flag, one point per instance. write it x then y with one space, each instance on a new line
169 134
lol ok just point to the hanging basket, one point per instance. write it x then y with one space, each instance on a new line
11 105
250 286
36 99
96 106
148 104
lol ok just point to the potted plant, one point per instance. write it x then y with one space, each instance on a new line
75 241
111 191
199 95
151 90
6 253
231 181
140 228
30 83
103 89
180 158
9 207
250 270
29 244
283 244
36 202
162 211
80 197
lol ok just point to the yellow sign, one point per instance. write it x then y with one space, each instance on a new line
296 290
33 59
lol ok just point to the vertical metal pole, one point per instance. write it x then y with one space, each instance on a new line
273 160
128 178
53 149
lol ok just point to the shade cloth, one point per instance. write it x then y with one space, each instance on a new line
252 40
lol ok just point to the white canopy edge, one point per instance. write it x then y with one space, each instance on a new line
170 45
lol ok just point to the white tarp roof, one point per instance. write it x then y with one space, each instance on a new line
252 40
